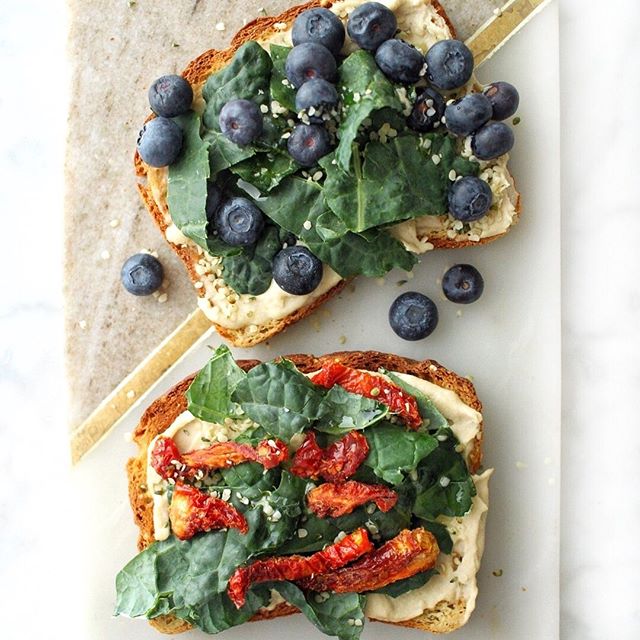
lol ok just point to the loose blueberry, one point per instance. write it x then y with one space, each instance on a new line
316 93
308 143
449 64
413 316
427 111
160 142
170 96
296 270
371 24
321 26
469 199
241 121
307 61
467 114
214 199
238 222
462 284
491 141
504 99
399 61
141 274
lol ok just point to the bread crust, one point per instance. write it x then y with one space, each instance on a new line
162 412
197 72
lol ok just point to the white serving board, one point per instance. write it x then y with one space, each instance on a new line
509 342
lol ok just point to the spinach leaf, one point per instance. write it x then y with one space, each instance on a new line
245 77
285 94
187 182
330 614
360 76
279 398
265 171
400 587
209 395
431 417
223 153
393 450
250 271
444 485
441 534
342 411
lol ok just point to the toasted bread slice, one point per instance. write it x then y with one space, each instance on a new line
439 232
445 616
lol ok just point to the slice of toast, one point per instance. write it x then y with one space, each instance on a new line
438 232
444 616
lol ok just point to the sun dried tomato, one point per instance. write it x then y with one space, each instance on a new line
366 384
168 462
410 552
336 463
334 500
192 511
296 567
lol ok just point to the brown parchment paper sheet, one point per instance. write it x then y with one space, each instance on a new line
116 49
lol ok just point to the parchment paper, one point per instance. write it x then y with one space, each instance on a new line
117 48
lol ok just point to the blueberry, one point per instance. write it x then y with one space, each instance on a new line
467 114
241 121
427 111
296 270
491 141
462 284
371 24
141 274
504 99
449 64
413 316
316 93
307 61
214 199
321 26
170 96
308 143
238 222
160 142
469 199
399 61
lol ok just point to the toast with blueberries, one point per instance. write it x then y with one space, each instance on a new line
334 140
346 487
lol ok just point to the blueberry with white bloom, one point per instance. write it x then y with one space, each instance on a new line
321 26
399 61
241 121
170 96
462 284
467 114
238 222
469 199
160 142
449 64
296 270
504 98
427 111
141 274
413 316
307 61
316 93
491 141
308 143
370 24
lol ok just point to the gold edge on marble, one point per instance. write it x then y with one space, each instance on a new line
501 26
117 404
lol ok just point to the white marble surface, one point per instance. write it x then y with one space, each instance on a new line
600 566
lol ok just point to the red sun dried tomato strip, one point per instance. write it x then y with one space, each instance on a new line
193 511
334 500
168 462
410 552
366 384
336 463
296 567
